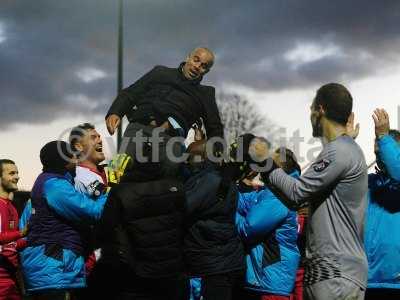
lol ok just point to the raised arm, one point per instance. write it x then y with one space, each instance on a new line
321 175
388 147
127 98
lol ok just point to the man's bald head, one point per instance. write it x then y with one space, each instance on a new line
198 63
203 50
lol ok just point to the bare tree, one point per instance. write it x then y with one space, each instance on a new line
240 116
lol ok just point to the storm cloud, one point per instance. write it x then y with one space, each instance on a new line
58 58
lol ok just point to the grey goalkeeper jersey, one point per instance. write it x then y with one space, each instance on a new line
335 186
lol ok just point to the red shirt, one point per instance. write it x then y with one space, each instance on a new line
10 237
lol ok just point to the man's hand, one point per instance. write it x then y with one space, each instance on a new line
303 211
198 135
112 123
381 120
350 129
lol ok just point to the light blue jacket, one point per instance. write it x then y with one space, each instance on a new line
269 229
382 236
195 288
43 272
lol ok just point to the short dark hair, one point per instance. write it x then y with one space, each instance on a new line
77 132
395 134
336 100
5 161
290 164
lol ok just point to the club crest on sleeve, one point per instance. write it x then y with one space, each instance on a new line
321 165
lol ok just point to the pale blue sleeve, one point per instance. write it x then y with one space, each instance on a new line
71 204
262 218
245 202
26 214
389 151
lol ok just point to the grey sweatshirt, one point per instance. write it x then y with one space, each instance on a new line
335 186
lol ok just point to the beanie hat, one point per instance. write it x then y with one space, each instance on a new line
55 156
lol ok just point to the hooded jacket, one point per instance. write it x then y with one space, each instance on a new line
269 229
382 243
142 224
212 245
54 256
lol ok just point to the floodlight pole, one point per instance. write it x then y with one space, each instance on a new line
120 66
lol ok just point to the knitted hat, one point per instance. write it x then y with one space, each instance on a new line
55 156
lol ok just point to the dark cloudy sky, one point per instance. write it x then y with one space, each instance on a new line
58 58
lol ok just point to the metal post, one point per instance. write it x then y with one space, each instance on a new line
120 66
398 117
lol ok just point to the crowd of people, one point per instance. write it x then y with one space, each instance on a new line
166 221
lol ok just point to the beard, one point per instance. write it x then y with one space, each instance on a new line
317 128
10 187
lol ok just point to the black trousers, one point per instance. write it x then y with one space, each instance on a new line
51 295
382 294
113 282
156 148
225 286
174 288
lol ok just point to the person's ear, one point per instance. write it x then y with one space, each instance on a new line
276 156
321 110
78 147
209 67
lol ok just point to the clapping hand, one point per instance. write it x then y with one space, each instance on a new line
381 120
352 130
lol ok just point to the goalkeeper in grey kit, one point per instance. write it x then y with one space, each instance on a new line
335 186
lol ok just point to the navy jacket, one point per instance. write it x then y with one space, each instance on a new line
211 244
